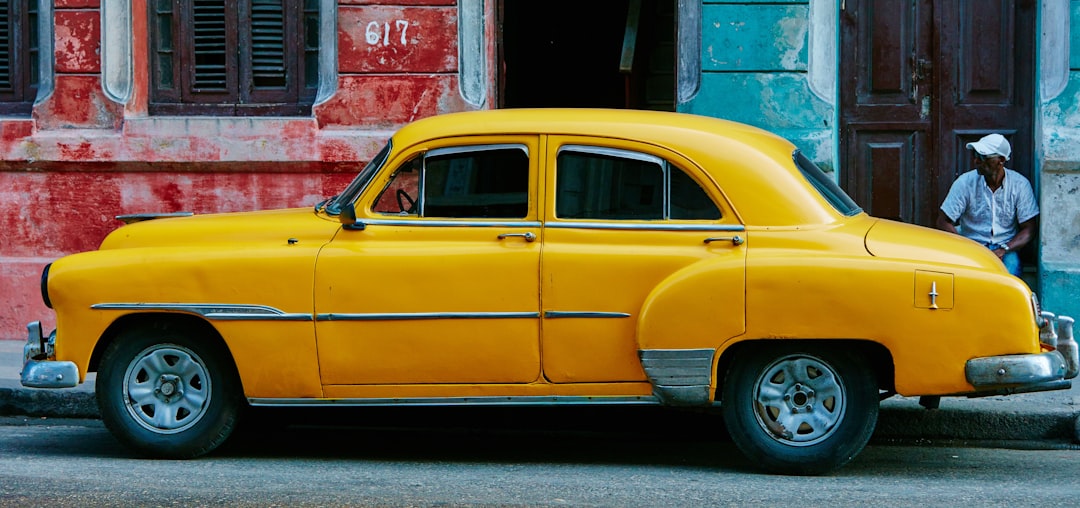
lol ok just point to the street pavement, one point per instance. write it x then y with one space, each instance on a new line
1031 420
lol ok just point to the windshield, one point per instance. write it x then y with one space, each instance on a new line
825 185
349 195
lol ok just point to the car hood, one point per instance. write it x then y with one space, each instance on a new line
897 240
297 225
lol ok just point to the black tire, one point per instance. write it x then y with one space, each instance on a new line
829 397
167 394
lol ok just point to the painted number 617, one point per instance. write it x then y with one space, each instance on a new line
380 32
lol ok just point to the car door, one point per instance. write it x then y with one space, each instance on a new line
621 220
442 283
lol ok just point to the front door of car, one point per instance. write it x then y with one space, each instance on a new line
441 285
623 224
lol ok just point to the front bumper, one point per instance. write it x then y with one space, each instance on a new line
1050 370
39 370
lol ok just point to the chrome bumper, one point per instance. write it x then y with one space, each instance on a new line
1031 372
39 371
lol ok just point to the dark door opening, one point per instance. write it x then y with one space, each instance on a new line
611 54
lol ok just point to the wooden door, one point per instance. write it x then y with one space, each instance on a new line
919 80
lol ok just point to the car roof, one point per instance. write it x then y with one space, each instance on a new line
752 166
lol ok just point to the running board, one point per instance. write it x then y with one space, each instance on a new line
462 401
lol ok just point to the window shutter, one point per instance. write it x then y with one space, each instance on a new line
231 57
268 69
7 84
209 46
18 56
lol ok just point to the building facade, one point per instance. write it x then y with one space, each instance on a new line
113 107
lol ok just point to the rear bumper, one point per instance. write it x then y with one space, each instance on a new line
1050 370
39 370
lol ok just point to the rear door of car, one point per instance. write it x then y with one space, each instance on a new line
442 284
621 218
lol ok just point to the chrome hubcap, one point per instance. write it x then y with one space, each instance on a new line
799 400
167 388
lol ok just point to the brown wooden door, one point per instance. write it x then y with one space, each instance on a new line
919 80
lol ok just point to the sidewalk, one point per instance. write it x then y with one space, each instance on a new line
1052 418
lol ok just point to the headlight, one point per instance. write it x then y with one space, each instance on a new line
45 286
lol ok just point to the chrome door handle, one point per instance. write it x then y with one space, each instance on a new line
528 236
735 240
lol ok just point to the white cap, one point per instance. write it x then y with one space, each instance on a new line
992 144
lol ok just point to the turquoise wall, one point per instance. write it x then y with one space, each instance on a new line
754 70
1059 225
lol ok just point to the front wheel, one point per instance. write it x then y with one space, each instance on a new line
166 394
799 410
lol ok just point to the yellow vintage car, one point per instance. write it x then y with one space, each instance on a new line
549 257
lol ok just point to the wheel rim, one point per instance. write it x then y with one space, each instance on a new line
799 400
167 388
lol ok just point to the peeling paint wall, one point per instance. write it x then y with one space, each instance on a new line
1059 185
754 69
83 158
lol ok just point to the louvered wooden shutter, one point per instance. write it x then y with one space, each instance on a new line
18 56
231 57
7 85
210 58
268 45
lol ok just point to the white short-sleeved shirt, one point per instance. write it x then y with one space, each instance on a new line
990 218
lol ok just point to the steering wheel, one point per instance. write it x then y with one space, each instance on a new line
402 197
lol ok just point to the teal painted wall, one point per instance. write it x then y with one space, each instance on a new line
754 70
1059 228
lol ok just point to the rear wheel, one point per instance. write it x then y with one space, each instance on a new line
167 394
800 410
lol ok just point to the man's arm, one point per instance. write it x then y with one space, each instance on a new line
946 224
1024 235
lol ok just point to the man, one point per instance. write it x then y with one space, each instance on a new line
992 204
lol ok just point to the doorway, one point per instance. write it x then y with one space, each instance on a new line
919 80
612 54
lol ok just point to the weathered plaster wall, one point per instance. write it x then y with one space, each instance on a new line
754 68
83 157
1059 274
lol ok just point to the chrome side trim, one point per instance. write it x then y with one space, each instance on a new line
680 377
216 311
139 217
556 314
638 226
402 316
452 223
554 400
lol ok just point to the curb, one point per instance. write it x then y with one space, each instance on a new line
48 403
904 423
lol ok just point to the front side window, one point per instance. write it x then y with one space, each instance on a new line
234 58
460 182
608 184
19 66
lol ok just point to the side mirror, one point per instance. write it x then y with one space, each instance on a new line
348 218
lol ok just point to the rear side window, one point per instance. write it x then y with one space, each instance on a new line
610 184
825 185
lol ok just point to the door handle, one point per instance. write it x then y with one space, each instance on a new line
735 240
528 236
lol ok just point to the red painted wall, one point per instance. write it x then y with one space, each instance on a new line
82 158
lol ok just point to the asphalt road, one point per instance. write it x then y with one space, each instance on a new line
58 462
